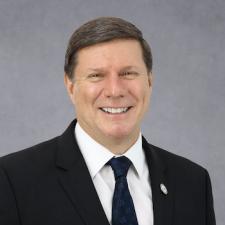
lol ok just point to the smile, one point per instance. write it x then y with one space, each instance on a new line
115 110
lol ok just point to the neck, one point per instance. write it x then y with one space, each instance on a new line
116 145
119 146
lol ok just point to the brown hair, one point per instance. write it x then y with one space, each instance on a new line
101 30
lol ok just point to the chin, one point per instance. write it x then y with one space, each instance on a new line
118 132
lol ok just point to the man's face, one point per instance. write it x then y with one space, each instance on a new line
111 89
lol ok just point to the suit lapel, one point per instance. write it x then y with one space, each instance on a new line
162 202
76 181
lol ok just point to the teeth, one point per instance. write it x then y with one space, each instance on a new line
115 110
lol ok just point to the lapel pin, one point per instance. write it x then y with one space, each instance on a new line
163 189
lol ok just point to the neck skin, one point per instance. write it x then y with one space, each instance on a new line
117 146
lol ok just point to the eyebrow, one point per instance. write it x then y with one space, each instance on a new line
102 69
97 69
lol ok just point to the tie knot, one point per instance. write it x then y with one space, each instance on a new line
120 166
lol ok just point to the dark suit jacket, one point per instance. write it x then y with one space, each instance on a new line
49 184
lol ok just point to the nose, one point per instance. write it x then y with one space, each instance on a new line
114 87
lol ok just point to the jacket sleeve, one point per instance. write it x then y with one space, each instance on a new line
210 215
8 207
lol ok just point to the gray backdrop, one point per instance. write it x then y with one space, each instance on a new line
188 102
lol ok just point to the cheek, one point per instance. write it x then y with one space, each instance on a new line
141 91
86 94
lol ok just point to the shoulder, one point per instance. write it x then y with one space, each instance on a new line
176 164
28 170
183 173
175 159
30 157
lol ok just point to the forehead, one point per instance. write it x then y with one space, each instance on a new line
114 52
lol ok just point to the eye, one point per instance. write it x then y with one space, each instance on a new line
129 74
95 77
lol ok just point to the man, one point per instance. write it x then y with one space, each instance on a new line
101 171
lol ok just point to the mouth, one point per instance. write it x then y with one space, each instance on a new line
118 110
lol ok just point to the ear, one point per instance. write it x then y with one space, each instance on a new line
150 79
69 87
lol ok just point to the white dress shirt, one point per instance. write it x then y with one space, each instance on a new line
96 156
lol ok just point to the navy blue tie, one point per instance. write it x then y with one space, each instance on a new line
123 211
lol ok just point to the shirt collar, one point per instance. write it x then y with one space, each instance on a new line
96 155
